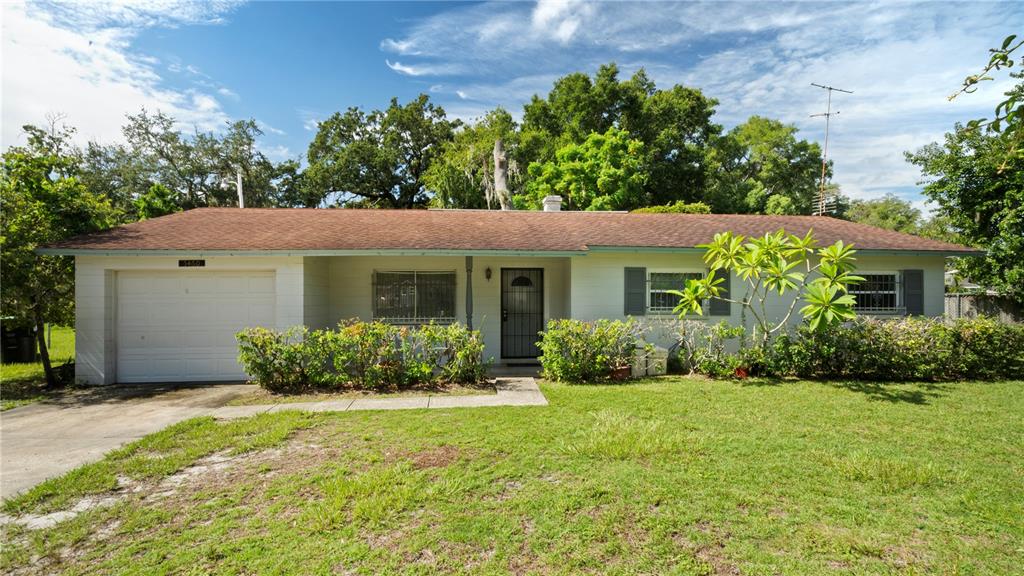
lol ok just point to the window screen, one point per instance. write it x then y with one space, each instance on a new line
877 293
414 297
659 283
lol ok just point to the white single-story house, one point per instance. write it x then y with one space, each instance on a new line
161 300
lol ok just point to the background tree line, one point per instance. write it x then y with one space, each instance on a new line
602 142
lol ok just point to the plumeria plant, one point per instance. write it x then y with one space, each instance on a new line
779 263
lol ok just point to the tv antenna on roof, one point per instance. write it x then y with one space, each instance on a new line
822 203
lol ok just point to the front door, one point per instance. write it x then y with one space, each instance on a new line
522 311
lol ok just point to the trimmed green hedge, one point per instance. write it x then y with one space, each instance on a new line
366 355
902 349
578 351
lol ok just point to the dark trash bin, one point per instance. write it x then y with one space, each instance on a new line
17 345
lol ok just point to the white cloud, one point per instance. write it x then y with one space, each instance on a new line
900 59
400 47
462 94
76 60
559 19
137 13
227 93
403 69
267 128
204 103
276 153
422 70
310 119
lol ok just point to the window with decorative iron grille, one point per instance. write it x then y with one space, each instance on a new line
659 301
877 294
414 297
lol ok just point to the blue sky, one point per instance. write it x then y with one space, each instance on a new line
290 64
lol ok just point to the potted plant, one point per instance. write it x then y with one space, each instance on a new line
620 373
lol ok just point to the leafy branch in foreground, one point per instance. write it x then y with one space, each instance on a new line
777 263
1008 114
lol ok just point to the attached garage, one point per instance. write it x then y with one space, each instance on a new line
180 326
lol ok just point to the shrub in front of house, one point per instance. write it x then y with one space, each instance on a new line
987 349
702 348
362 355
900 350
578 351
276 360
458 352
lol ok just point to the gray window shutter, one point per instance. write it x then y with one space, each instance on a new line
636 292
913 292
721 307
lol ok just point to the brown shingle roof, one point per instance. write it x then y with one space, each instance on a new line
295 229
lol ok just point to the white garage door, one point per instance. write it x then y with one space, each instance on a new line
180 326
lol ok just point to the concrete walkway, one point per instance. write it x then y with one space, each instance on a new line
511 391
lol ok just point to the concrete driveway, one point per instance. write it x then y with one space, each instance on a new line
43 440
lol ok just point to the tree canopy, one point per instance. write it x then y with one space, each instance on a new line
463 174
889 212
673 125
379 158
976 178
605 172
761 167
195 170
43 201
979 190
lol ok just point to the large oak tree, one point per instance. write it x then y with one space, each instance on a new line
377 158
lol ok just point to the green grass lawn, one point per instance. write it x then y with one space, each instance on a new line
22 384
667 476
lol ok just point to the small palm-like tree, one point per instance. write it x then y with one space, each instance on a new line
779 263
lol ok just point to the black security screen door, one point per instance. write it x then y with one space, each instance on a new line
522 311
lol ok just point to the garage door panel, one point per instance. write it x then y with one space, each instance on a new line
232 312
168 285
181 326
165 313
220 338
129 315
152 370
203 367
133 284
234 284
202 285
198 313
136 339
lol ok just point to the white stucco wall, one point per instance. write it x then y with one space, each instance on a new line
316 291
96 301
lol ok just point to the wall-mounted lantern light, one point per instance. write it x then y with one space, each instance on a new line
487 273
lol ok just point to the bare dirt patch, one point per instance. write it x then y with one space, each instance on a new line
438 457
